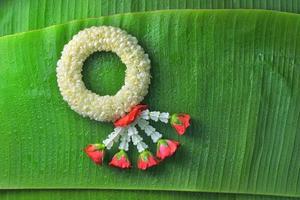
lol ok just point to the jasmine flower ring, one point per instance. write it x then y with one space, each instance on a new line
88 103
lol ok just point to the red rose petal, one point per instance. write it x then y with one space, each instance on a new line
185 119
166 150
120 162
131 116
96 155
173 145
180 129
146 160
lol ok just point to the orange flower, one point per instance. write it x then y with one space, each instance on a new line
95 152
180 122
166 148
120 160
146 160
131 116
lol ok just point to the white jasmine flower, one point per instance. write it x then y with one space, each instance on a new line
145 114
142 123
132 131
164 117
124 144
156 136
154 115
149 130
141 147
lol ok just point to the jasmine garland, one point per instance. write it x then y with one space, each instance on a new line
84 101
123 108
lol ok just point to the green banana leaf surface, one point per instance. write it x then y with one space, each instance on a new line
128 194
25 15
235 71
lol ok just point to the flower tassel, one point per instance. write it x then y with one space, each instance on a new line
125 131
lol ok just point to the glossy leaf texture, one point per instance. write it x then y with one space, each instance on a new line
55 194
235 71
25 15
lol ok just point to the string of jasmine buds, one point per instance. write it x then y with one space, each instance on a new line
125 140
113 137
149 130
126 132
155 116
136 139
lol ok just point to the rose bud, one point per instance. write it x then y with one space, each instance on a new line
146 160
96 152
166 148
131 116
120 160
180 122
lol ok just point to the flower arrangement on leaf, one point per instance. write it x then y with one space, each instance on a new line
126 131
124 105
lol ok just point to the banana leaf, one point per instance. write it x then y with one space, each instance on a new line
25 15
235 71
55 194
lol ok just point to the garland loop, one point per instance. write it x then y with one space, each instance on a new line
84 101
